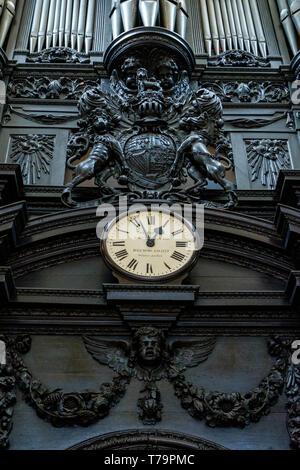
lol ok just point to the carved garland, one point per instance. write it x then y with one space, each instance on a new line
216 408
281 348
64 409
7 401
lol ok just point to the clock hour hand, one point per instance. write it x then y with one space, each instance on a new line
151 241
144 230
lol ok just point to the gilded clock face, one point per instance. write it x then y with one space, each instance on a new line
150 245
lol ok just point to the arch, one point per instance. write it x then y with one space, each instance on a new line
236 239
150 439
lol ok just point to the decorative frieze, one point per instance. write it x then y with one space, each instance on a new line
249 92
60 88
238 58
59 55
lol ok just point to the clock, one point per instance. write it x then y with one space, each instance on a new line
150 245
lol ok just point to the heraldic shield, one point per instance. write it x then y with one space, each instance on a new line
150 158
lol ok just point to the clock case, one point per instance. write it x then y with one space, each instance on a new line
125 277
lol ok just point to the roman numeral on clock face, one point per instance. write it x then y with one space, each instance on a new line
122 254
133 264
119 243
151 220
135 222
177 232
181 244
178 256
149 269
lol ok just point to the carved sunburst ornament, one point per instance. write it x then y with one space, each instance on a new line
34 154
266 158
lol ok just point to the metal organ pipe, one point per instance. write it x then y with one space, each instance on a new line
259 28
238 24
244 25
251 27
129 12
115 18
62 20
62 23
220 25
7 13
56 23
75 16
50 24
206 27
290 20
35 25
169 13
226 24
232 24
295 12
68 26
182 18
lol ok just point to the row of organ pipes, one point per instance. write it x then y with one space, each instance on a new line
226 24
63 23
232 24
173 15
290 19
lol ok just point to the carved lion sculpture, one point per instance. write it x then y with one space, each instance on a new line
202 165
106 152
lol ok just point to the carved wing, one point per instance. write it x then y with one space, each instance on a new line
191 353
111 353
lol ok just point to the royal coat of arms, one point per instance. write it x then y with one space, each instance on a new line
147 137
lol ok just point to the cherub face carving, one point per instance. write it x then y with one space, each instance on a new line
167 72
149 346
129 70
149 351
